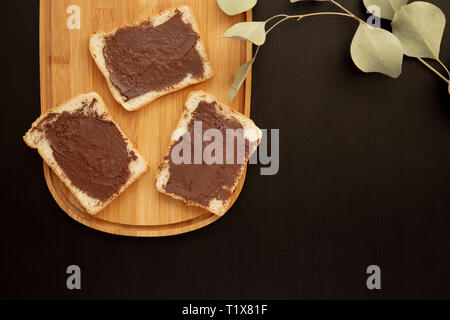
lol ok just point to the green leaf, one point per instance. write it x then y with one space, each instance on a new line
387 7
233 7
419 26
377 50
249 31
239 79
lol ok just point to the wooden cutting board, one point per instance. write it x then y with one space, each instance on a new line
67 69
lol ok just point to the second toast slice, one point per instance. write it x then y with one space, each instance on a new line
208 154
151 58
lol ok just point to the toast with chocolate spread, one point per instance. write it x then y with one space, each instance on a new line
208 154
148 59
87 150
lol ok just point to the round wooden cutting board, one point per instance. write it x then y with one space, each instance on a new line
67 69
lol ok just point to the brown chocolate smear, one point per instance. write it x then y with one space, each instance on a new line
90 150
145 58
203 182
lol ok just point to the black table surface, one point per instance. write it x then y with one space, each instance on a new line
364 179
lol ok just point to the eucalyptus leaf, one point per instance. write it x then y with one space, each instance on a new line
387 7
419 26
233 7
253 31
239 79
377 50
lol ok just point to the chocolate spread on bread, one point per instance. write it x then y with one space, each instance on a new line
89 149
203 182
145 58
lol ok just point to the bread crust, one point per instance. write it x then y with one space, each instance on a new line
97 42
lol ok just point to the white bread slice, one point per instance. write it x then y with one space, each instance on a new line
36 139
251 132
97 43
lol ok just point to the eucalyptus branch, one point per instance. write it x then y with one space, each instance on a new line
337 4
443 66
372 49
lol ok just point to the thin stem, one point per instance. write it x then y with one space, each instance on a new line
277 16
278 22
443 66
256 53
337 4
327 13
299 17
433 69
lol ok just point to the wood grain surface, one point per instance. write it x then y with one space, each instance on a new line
67 69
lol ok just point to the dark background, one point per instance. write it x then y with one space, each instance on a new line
364 179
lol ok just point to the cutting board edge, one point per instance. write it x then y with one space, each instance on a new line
107 226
